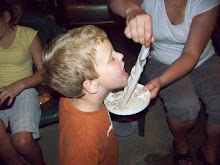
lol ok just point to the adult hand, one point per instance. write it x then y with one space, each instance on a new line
10 91
139 26
153 86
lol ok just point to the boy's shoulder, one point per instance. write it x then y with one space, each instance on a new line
65 103
76 125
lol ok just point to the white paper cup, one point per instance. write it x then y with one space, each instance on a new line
145 99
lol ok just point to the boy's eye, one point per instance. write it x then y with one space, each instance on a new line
112 59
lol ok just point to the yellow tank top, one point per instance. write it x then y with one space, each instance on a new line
16 61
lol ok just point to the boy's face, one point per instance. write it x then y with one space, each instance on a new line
112 74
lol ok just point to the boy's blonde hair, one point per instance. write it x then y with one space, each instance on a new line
70 59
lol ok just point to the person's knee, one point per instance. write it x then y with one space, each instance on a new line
23 142
181 101
4 138
214 117
3 132
213 109
184 113
182 107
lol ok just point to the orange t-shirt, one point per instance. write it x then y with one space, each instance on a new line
86 138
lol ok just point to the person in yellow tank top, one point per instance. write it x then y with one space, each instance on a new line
19 48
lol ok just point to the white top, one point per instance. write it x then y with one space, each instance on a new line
171 39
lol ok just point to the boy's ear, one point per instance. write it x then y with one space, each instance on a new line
90 86
7 16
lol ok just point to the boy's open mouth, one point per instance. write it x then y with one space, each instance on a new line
125 73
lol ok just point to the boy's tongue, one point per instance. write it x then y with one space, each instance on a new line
125 73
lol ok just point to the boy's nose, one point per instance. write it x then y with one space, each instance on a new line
120 56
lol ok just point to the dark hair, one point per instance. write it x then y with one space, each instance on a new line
9 6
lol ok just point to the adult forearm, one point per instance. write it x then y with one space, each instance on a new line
202 24
31 81
122 7
179 69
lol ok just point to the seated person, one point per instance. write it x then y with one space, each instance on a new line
19 48
183 67
29 15
83 66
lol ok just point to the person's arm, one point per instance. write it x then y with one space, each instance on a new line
14 89
139 23
200 33
36 52
122 7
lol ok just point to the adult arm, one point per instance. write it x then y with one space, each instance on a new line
15 88
200 33
138 22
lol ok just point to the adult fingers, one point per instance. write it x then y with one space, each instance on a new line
3 99
133 30
151 88
153 94
2 94
11 100
140 29
148 32
152 39
127 32
7 99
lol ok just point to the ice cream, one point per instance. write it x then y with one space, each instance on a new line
134 77
137 99
132 97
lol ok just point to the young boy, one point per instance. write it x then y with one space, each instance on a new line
83 66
